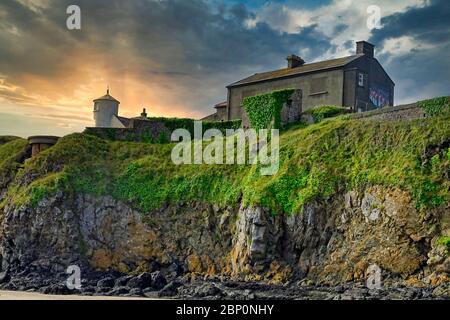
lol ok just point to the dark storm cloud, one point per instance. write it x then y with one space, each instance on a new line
425 70
429 24
178 36
30 42
198 46
178 39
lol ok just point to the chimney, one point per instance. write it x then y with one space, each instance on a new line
294 61
363 47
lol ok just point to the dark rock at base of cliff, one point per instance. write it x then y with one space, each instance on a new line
4 277
136 293
156 286
122 281
142 281
120 291
208 290
106 283
58 289
158 280
171 289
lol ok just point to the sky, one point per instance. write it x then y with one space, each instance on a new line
175 57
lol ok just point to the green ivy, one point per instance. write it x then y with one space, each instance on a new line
445 241
436 106
323 112
316 162
264 110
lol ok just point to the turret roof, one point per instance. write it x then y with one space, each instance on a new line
107 96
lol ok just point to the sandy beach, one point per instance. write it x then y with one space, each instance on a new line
18 295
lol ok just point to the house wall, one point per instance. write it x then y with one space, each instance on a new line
221 113
324 88
378 89
115 123
211 117
350 82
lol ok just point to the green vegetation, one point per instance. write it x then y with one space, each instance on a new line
11 152
324 112
263 110
6 139
435 106
316 162
445 241
10 147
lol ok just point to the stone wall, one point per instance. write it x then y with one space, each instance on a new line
157 130
290 112
402 112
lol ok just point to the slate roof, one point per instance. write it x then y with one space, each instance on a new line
221 105
288 72
124 121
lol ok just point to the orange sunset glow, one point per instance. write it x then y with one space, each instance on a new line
176 57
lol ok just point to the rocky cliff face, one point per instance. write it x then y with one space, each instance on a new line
331 242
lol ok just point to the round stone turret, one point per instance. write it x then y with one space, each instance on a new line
105 109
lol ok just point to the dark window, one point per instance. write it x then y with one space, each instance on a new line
361 79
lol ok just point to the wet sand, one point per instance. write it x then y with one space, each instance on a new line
18 295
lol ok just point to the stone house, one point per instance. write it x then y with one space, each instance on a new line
220 114
357 82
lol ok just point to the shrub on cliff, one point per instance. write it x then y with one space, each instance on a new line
323 112
316 162
435 106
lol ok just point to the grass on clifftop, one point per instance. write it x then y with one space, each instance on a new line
315 162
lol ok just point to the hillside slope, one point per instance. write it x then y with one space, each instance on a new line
349 194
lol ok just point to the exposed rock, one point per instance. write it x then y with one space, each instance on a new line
4 277
122 281
136 292
330 242
170 289
119 291
106 283
142 281
158 281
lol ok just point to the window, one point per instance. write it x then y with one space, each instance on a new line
317 86
361 79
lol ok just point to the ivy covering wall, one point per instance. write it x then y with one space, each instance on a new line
323 112
263 110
